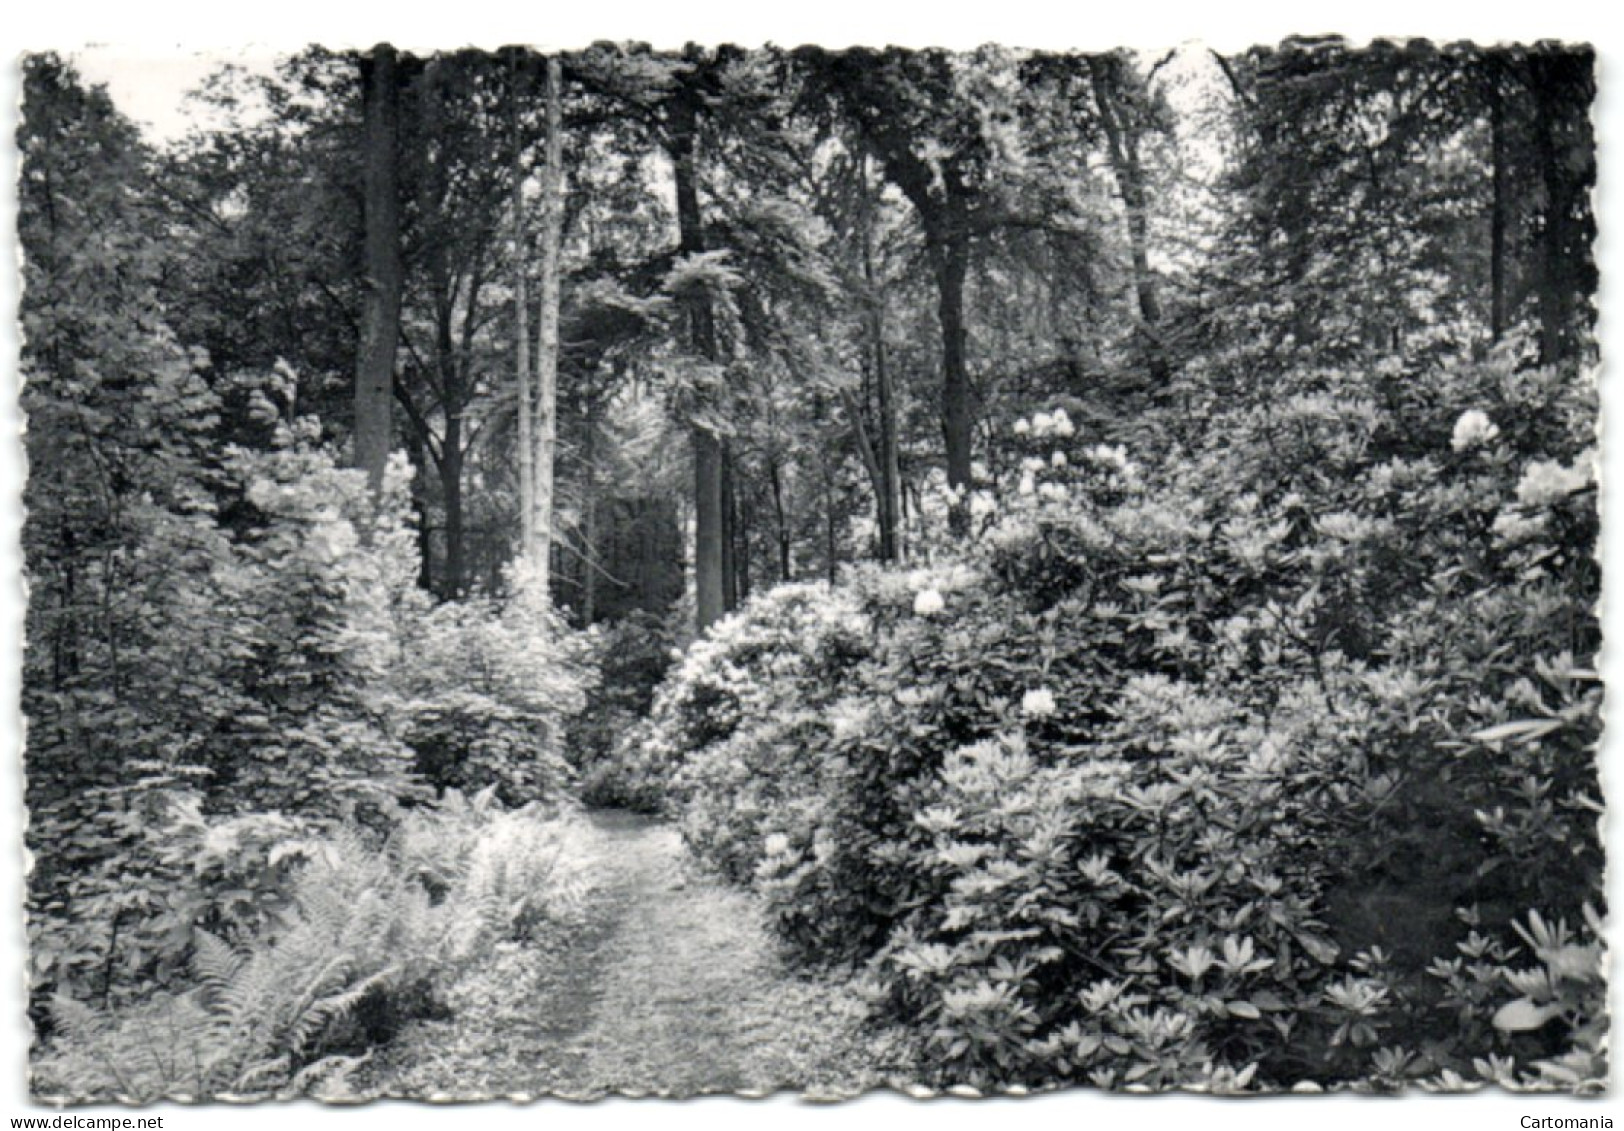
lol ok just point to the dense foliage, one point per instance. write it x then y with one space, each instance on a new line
318 947
1180 779
232 673
1102 547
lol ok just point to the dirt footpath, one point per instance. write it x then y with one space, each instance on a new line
669 987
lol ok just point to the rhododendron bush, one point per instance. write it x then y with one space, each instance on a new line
1231 758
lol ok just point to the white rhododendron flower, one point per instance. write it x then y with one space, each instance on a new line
1112 456
1473 428
1053 492
1514 526
1055 423
1545 481
1027 485
1344 526
1022 427
848 719
1038 704
928 603
1058 460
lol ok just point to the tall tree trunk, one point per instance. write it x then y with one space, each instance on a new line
453 400
590 558
420 508
451 371
831 542
941 198
775 479
891 548
958 415
889 481
743 520
456 553
1551 299
730 533
1122 141
1562 89
521 318
546 430
870 459
1500 205
710 586
380 317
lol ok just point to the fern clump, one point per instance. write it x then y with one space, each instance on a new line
368 937
263 1016
253 1026
496 875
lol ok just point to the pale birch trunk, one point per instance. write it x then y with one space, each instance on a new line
521 347
380 318
546 426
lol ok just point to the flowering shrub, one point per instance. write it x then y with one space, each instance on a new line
1178 778
738 675
1559 1014
310 618
728 732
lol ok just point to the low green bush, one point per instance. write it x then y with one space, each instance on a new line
632 656
489 693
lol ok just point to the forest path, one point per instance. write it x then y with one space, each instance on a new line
669 986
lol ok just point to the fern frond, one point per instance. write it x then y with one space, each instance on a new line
215 962
252 994
267 1069
77 1022
296 1009
161 1053
332 1008
329 1070
324 902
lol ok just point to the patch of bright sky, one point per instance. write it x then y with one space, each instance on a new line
1186 166
153 88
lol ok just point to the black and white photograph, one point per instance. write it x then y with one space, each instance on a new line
668 570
